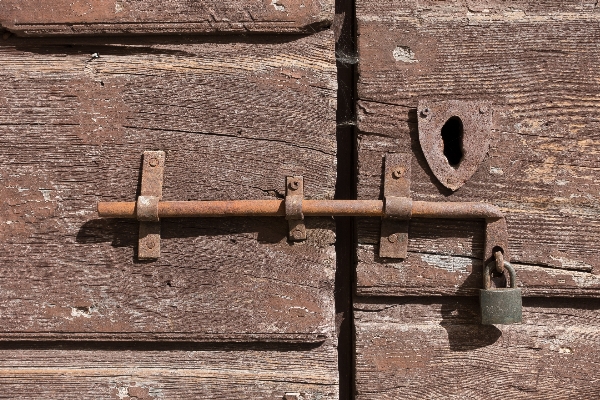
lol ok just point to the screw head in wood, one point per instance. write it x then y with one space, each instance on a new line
483 109
398 172
294 185
153 162
150 243
393 238
297 233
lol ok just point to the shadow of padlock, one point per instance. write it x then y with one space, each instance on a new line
500 305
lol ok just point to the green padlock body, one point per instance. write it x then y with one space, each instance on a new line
500 306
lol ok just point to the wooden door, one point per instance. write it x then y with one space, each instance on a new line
231 309
240 94
417 320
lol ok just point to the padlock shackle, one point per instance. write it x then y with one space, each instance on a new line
487 281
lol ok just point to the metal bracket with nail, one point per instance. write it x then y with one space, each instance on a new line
294 194
153 164
395 209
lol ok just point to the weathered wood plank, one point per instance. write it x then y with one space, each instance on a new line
421 348
234 118
68 17
536 63
439 274
168 372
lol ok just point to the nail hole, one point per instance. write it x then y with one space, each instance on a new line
452 136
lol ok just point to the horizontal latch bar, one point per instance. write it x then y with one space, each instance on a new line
311 208
396 208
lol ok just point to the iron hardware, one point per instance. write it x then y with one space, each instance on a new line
396 209
500 305
294 195
455 136
147 205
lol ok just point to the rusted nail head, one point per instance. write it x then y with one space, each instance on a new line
425 112
393 238
153 162
483 109
294 185
150 243
297 233
398 172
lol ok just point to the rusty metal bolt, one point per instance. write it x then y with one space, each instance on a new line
398 172
483 109
297 233
294 185
425 112
150 243
393 238
153 162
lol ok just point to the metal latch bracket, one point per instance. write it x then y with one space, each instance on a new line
399 208
395 209
393 242
294 194
153 165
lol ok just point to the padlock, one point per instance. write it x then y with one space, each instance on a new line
500 305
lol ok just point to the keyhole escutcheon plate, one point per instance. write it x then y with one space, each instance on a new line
455 137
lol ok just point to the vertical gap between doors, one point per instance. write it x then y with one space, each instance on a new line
345 30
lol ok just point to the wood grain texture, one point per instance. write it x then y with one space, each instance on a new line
109 17
435 349
536 63
181 371
234 118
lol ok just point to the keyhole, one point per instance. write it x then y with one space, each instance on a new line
452 136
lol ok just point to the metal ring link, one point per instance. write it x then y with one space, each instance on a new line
487 282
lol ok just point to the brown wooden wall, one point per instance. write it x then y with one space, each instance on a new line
240 94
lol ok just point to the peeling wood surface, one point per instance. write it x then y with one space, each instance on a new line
178 371
234 116
416 348
101 17
536 63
